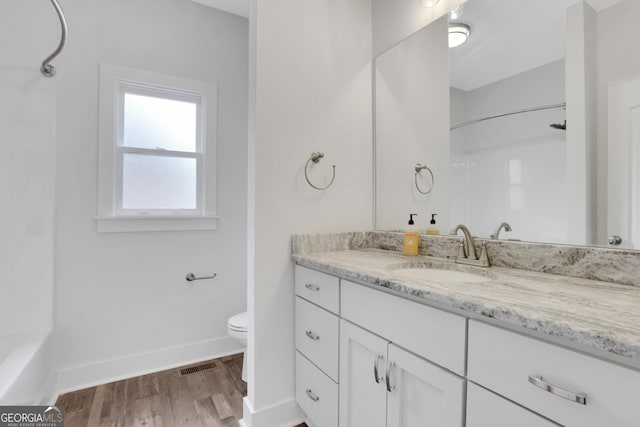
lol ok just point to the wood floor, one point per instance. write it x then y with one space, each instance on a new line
211 397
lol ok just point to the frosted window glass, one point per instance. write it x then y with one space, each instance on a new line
159 123
158 182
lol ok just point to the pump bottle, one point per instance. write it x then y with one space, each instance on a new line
432 229
411 237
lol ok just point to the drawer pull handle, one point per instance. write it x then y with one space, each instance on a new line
312 287
387 377
312 395
376 376
312 335
537 381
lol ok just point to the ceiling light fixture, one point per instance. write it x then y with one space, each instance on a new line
458 34
428 3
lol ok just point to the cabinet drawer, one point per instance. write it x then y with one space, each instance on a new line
503 361
317 336
316 394
319 288
487 409
431 333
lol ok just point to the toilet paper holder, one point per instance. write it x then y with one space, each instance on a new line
191 277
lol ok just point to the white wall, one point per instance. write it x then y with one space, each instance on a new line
312 92
512 168
123 305
412 126
617 60
27 171
27 194
27 122
581 132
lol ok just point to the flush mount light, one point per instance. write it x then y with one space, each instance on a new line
458 34
428 3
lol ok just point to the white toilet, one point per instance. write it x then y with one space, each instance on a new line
237 326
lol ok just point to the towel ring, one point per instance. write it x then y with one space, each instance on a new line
315 158
419 168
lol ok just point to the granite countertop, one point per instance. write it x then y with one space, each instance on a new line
593 314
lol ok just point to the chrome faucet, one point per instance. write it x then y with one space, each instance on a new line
496 233
467 253
470 249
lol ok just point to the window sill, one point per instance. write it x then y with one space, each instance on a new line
113 224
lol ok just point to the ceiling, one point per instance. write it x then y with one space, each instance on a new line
509 37
237 7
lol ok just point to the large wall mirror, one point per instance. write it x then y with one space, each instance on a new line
534 121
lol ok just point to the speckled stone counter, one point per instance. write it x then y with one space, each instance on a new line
592 314
587 262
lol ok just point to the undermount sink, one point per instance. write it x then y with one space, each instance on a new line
440 275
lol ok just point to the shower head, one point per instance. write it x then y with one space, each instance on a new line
559 126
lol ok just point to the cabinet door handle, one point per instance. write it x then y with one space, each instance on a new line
537 381
312 395
387 377
376 376
312 287
312 335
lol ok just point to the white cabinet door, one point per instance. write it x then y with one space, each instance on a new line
363 396
487 409
421 393
442 337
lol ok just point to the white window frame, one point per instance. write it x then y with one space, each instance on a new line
115 81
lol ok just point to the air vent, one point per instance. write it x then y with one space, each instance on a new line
199 368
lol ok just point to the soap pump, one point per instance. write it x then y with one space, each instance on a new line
432 230
411 237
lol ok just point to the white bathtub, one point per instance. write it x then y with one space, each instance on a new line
27 374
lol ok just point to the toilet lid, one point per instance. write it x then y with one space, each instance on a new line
238 322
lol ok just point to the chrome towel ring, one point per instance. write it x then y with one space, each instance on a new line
419 168
315 158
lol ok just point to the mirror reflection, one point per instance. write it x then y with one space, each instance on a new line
523 134
507 139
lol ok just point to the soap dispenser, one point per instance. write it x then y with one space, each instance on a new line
431 229
411 237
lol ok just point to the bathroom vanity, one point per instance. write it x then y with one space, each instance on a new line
388 340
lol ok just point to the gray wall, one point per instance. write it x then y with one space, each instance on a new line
122 304
312 93
412 126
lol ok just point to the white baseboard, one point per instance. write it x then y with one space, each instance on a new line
102 372
282 414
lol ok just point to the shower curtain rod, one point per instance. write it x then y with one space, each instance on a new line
47 69
526 110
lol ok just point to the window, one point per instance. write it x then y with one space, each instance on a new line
156 152
159 151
